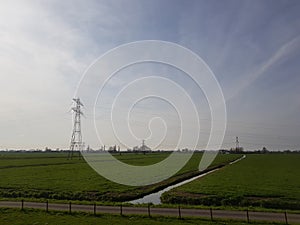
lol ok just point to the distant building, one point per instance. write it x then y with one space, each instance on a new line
143 148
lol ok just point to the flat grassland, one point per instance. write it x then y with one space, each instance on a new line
30 216
53 176
259 180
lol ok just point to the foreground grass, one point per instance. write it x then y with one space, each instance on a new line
53 176
30 216
269 181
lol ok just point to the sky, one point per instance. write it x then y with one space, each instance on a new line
251 46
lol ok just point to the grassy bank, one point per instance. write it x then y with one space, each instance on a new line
265 180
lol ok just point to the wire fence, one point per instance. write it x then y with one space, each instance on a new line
179 212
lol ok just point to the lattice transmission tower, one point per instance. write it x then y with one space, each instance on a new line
76 139
237 144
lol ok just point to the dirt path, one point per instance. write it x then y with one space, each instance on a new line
177 212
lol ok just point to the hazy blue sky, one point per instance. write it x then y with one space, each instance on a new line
253 48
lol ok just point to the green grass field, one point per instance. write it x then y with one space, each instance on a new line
53 176
17 217
265 180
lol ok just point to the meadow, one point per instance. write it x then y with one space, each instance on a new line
259 180
51 175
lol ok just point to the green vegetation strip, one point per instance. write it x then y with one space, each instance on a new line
52 176
264 180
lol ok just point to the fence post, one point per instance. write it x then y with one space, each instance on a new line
70 207
47 207
248 220
179 212
285 216
121 210
211 214
22 204
94 208
149 214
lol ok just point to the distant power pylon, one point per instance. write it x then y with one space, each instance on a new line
237 143
143 145
76 139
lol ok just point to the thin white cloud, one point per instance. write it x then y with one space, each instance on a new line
37 65
284 51
45 46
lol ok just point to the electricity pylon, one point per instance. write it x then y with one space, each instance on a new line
237 144
76 139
